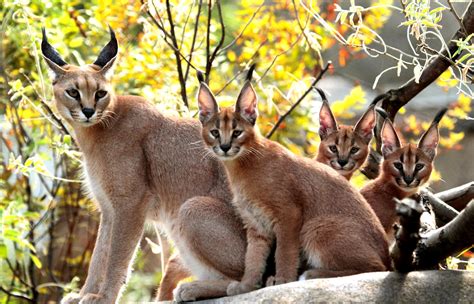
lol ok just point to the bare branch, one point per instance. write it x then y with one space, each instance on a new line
446 241
311 87
444 212
458 197
401 96
243 30
193 43
219 44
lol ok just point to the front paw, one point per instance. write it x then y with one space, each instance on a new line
274 280
92 298
236 288
71 298
185 292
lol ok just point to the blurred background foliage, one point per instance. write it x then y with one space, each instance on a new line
47 225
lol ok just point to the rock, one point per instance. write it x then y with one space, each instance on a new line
418 287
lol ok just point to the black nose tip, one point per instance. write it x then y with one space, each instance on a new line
408 179
342 162
225 147
88 112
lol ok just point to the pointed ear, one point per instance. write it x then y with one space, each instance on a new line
365 126
207 103
327 122
430 139
51 56
108 55
246 104
390 140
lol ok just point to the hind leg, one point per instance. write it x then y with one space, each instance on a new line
338 247
212 246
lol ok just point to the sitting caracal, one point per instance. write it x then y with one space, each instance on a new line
405 168
301 204
138 165
344 148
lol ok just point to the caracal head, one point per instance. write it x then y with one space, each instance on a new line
82 94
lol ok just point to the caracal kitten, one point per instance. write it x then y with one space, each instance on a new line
138 165
297 202
405 168
344 148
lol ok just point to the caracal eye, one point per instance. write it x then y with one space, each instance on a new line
354 150
73 93
236 133
100 94
215 133
398 165
418 167
333 148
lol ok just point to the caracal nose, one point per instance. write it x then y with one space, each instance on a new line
88 112
408 179
225 147
342 162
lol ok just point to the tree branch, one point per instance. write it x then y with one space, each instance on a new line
446 241
394 99
401 96
444 212
458 197
406 235
311 87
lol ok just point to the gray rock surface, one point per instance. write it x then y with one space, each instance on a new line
380 287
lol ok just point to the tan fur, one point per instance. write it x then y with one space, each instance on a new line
139 165
299 203
391 183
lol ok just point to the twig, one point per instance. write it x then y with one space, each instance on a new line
243 30
458 18
182 81
219 44
311 87
243 68
19 296
191 51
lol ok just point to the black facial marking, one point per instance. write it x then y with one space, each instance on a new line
234 123
218 123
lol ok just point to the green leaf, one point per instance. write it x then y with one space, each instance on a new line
36 261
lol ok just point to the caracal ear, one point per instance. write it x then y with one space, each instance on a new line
430 139
365 126
246 104
207 103
327 122
390 140
52 57
108 55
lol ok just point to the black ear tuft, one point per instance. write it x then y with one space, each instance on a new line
439 115
200 76
109 51
49 51
379 98
322 94
250 72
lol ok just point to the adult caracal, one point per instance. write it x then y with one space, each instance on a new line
300 203
344 148
141 165
404 170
